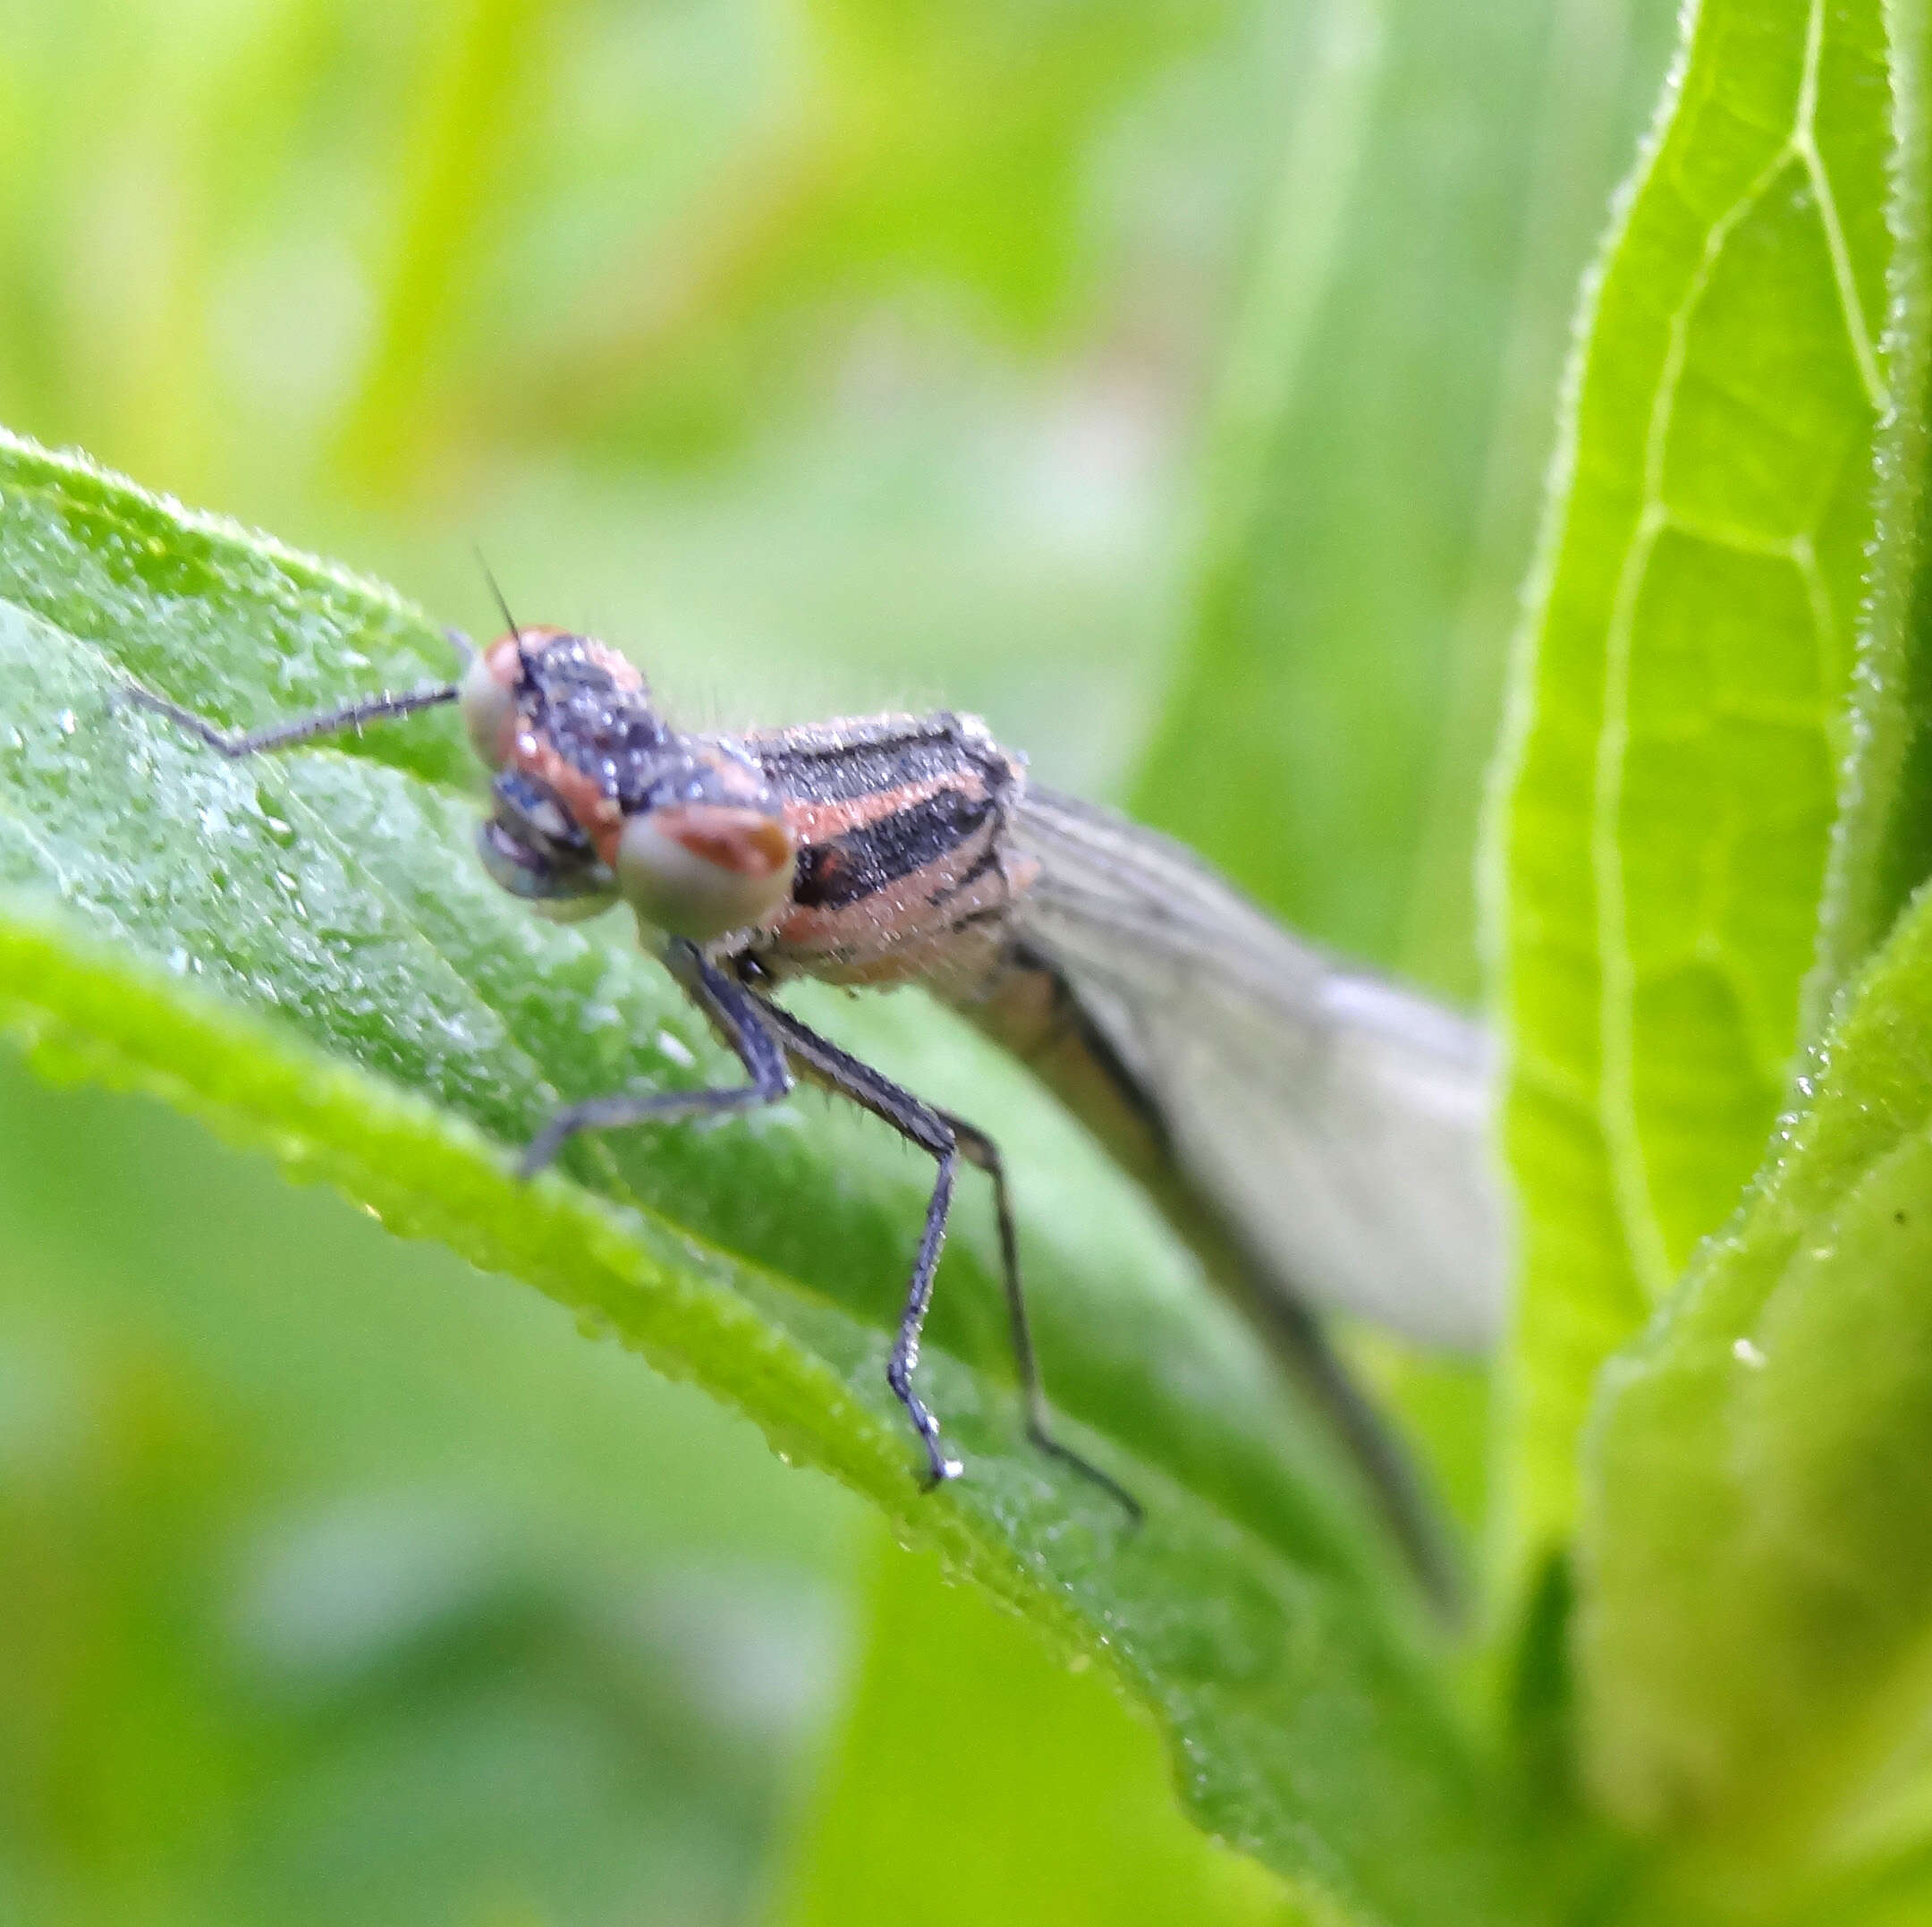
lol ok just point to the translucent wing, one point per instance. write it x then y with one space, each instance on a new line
1337 1126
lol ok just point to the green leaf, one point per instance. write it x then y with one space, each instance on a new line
1882 850
1052 1808
1757 1568
1757 1548
303 951
1672 787
1436 178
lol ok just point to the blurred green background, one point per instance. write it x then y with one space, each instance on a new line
1170 383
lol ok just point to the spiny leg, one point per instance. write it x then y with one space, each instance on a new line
903 1358
737 1016
946 1138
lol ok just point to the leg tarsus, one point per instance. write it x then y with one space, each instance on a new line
982 1151
903 1357
614 1113
1093 1475
939 1468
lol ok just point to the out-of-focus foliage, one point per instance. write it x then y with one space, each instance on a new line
341 1584
1383 417
1052 1812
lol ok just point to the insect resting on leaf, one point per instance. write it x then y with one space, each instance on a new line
1315 1134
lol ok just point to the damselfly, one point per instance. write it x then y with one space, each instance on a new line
1318 1137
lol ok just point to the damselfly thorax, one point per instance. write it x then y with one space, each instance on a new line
907 869
1318 1137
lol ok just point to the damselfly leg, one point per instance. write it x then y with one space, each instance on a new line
946 1139
983 1153
764 1036
742 1020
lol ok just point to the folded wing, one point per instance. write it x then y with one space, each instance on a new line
1337 1126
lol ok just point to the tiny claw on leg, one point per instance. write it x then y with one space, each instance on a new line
938 1468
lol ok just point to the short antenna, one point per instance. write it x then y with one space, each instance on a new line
502 604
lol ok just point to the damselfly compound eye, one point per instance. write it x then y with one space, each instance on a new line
486 697
698 869
533 847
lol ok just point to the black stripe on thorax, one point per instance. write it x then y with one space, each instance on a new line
849 868
991 858
841 763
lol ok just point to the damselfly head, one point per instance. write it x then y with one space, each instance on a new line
539 691
598 797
